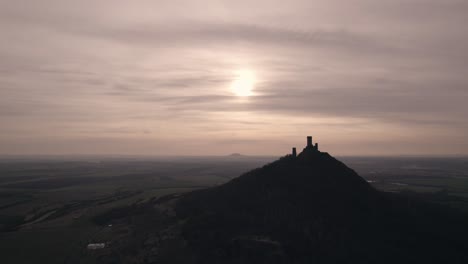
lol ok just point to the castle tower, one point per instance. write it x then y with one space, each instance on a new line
294 153
316 146
309 141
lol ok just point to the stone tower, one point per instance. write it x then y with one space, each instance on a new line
311 145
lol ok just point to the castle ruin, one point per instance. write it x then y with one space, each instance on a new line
309 147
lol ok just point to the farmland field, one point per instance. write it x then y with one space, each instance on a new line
49 207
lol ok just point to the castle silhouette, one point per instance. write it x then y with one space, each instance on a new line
309 147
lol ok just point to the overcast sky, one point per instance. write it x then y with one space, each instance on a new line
154 77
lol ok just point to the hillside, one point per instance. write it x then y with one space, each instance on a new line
314 209
305 208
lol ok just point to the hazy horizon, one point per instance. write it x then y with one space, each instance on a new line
201 78
136 157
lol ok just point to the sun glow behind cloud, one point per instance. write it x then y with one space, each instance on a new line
116 78
244 83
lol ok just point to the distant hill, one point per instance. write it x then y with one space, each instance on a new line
236 155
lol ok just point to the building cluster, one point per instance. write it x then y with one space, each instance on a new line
94 246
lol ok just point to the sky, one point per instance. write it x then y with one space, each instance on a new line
213 77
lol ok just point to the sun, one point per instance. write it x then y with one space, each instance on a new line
244 83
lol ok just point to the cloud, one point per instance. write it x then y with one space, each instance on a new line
97 69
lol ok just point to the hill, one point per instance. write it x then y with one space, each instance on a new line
314 209
306 208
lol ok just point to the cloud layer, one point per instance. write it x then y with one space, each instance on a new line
153 77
